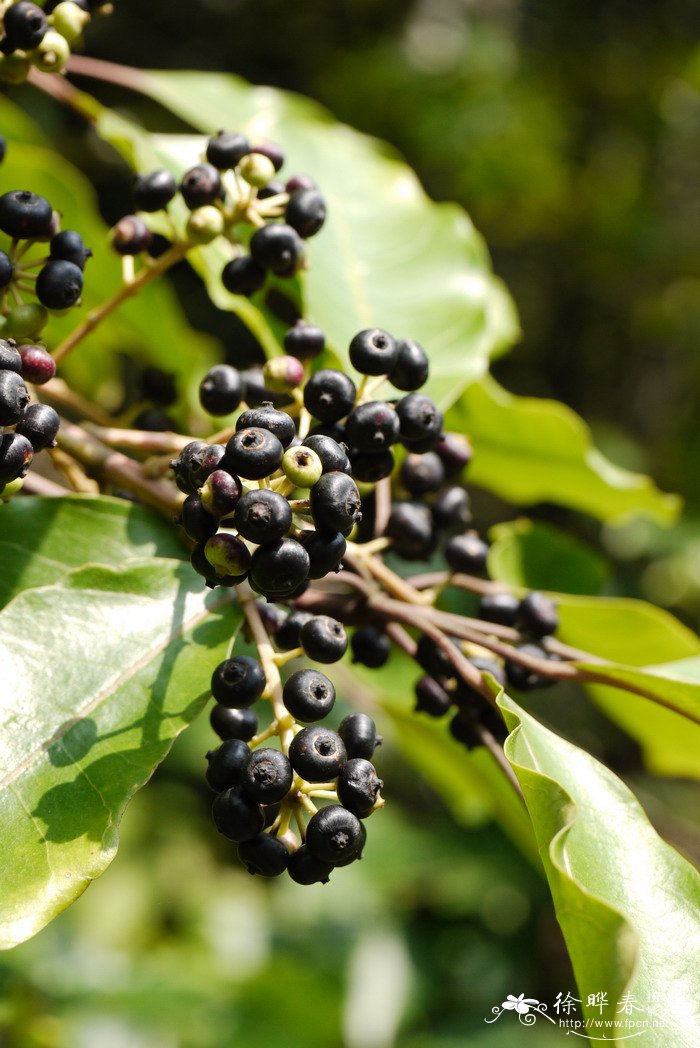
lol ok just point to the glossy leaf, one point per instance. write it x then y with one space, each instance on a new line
387 256
100 671
626 901
536 555
43 538
529 450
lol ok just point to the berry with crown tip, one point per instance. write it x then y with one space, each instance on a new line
358 787
238 682
220 493
228 555
277 247
7 269
38 366
537 615
325 551
305 868
411 368
59 284
306 212
373 351
243 276
452 509
237 816
25 215
410 527
278 568
333 834
154 191
323 639
422 474
195 463
282 374
304 341
467 553
499 607
221 390
262 516
455 451
287 634
431 697
16 454
333 457
10 359
14 398
268 417
419 419
370 647
329 395
253 453
266 775
200 185
308 695
224 764
25 26
226 149
264 855
69 246
317 754
39 424
198 523
231 722
302 466
359 734
131 236
372 427
335 503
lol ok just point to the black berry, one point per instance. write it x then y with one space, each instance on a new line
195 463
499 607
263 516
253 453
233 723
467 553
6 269
452 508
325 551
13 398
200 185
333 457
370 647
410 527
323 639
264 855
329 395
373 352
358 787
537 615
306 212
317 754
278 568
431 697
226 149
370 468
522 677
221 390
238 682
10 358
308 695
304 341
266 775
25 26
199 525
24 215
225 764
411 368
59 284
455 451
154 191
268 417
333 834
372 427
359 734
131 236
422 474
243 276
237 816
220 493
419 418
15 456
277 247
305 868
288 633
336 503
39 424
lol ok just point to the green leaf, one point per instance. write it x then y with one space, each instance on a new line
529 450
535 555
626 901
43 538
100 671
95 367
632 634
387 256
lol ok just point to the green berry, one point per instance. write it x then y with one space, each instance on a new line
69 20
302 466
257 170
14 69
25 321
52 53
205 224
227 554
283 373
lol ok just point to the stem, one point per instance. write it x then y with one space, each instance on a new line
100 313
151 443
61 396
118 469
272 674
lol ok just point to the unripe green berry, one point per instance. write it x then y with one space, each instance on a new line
257 170
302 466
227 554
69 20
283 373
205 224
14 69
25 321
52 53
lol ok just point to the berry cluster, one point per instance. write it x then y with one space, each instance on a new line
42 37
233 190
259 788
30 427
29 221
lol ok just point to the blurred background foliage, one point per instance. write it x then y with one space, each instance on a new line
571 133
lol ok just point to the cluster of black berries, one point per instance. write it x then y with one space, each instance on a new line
259 788
29 220
232 190
442 690
42 37
26 428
